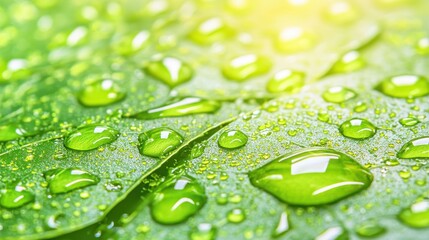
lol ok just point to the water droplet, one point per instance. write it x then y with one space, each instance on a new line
312 176
114 186
417 215
341 12
204 231
286 81
282 226
404 86
63 180
360 107
358 128
423 46
101 93
54 221
236 215
90 137
295 39
131 44
183 107
77 36
409 121
210 31
349 62
159 141
232 139
14 198
177 200
197 150
338 94
333 233
245 67
170 71
416 148
11 131
370 229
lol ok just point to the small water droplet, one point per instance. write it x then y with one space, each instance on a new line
236 215
409 121
63 180
113 186
358 128
211 30
204 231
11 131
15 198
349 62
176 200
232 139
131 44
295 39
341 12
404 86
54 221
101 93
170 71
416 148
282 227
90 137
159 141
312 176
333 233
183 107
417 215
338 94
244 67
370 229
422 46
288 81
197 150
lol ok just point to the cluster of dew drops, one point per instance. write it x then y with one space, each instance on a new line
333 175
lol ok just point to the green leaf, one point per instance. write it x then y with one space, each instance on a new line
82 102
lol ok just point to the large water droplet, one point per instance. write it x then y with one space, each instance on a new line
62 180
312 176
11 131
417 215
404 86
177 199
349 62
159 141
14 198
101 93
294 39
358 128
169 70
286 81
416 148
338 94
210 31
183 107
90 137
244 67
232 139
